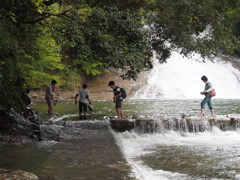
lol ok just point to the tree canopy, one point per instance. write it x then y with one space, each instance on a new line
64 40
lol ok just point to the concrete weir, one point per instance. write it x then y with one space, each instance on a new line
183 124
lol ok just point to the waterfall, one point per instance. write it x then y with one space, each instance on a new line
179 78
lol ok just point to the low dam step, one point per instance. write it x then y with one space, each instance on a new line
184 123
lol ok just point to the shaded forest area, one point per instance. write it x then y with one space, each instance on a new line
65 40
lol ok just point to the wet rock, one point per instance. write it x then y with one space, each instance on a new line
13 123
93 125
52 132
145 125
182 124
122 125
16 175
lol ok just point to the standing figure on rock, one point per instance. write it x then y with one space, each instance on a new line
208 97
49 96
118 98
83 100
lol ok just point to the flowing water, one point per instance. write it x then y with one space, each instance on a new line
174 155
179 155
89 150
92 153
179 78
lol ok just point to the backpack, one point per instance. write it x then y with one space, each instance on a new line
124 94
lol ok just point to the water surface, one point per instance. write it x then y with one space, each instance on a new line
94 154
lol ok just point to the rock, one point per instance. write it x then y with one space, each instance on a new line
122 125
186 124
13 123
16 175
34 96
52 132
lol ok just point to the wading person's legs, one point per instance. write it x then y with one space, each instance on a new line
49 103
85 108
209 102
80 108
119 108
203 103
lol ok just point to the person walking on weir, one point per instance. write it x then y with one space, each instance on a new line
49 96
117 98
208 97
83 100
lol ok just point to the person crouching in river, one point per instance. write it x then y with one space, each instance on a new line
208 97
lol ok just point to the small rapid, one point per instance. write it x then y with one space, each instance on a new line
176 155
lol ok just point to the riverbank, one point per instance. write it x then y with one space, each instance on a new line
97 86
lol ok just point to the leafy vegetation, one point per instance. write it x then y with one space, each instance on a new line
64 40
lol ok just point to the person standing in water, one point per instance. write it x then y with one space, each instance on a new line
207 99
49 96
83 99
117 98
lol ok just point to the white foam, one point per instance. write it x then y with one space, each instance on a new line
237 176
136 145
179 78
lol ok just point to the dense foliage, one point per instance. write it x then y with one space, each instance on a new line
67 39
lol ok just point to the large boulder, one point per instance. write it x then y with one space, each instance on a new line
17 175
14 123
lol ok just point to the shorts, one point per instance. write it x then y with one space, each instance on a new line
118 103
207 100
82 107
49 102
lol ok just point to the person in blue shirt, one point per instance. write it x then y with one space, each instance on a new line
207 99
117 98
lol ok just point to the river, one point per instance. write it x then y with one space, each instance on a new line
99 153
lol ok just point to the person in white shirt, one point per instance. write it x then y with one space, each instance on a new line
49 96
83 99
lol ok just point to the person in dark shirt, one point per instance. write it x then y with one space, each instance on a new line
117 98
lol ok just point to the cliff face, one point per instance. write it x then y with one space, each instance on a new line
98 87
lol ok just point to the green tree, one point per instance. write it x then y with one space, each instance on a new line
61 39
180 24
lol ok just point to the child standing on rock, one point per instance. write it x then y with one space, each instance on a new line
83 100
118 98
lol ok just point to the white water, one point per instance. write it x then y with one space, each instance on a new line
179 78
221 149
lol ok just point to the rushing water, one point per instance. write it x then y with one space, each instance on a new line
179 155
173 155
179 78
169 155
